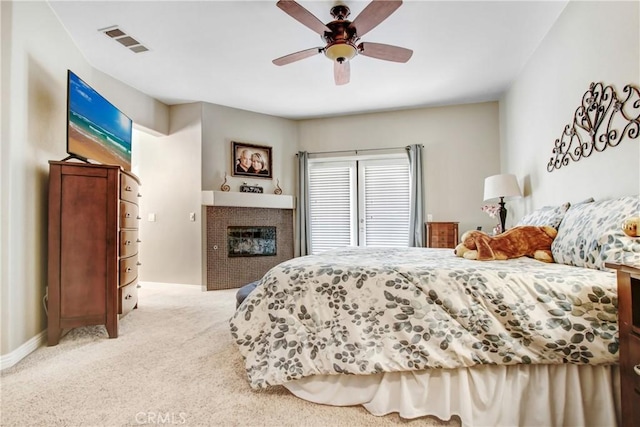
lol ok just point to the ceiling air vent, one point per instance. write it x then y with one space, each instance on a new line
115 33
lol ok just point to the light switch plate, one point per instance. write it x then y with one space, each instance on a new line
152 217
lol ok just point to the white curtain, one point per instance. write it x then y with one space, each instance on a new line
302 206
416 225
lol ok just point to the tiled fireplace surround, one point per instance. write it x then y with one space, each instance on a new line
224 272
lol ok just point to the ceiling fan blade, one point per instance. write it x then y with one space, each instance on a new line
385 51
297 56
375 12
303 16
341 72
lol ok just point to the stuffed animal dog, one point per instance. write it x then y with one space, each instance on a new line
531 241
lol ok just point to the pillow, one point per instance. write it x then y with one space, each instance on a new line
619 248
590 234
547 215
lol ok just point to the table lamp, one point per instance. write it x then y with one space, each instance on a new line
501 187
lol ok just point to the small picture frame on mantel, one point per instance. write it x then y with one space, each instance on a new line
251 160
244 188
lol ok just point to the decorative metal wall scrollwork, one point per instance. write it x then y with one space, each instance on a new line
597 123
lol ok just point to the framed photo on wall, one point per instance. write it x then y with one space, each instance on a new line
251 160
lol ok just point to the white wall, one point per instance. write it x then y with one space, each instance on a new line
590 42
170 170
194 157
221 125
461 145
36 53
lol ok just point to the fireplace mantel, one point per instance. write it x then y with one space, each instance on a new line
247 200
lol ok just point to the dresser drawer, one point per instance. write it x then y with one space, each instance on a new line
128 270
128 297
129 189
442 242
128 215
128 243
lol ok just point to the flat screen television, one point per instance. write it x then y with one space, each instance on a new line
96 129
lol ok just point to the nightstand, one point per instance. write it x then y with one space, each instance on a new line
629 334
442 234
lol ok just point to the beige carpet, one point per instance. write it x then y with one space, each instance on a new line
174 363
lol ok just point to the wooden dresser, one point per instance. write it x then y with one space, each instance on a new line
629 326
93 246
442 234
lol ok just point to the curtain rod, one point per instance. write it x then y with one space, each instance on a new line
362 149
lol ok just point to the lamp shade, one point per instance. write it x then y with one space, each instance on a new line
498 186
340 52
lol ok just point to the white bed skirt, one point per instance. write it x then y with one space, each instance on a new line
519 395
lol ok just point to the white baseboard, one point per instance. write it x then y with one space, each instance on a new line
10 359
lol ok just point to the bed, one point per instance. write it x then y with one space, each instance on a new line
422 332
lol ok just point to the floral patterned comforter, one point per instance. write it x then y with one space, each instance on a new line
369 310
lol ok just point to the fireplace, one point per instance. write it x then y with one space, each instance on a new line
251 241
243 243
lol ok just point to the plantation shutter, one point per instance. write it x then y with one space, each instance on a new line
384 202
362 202
332 205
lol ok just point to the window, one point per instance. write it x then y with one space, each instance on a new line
360 202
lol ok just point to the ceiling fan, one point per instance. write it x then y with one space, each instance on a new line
342 36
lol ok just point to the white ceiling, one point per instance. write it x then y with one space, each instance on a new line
221 51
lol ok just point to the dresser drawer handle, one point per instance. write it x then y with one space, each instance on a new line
138 263
138 217
127 188
139 195
127 215
128 270
138 241
636 369
128 296
127 242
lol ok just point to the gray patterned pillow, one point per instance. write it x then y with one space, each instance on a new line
590 234
547 215
619 248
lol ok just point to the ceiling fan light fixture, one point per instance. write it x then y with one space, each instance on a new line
342 36
340 52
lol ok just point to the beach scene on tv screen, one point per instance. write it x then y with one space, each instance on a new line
97 129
